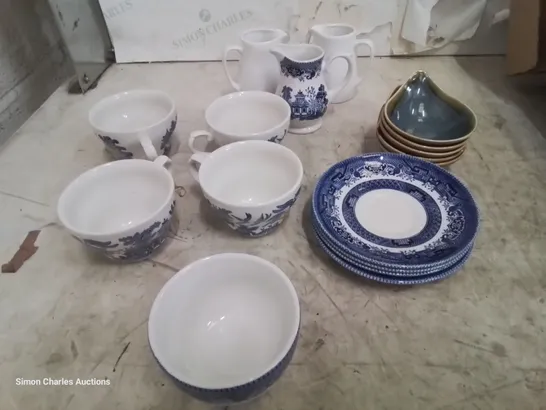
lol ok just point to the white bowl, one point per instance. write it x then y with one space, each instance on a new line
253 184
135 123
122 209
225 327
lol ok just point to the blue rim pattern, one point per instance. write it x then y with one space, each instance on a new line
242 393
381 268
462 214
434 216
389 280
401 271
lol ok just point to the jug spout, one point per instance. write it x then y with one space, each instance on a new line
319 28
316 31
331 31
297 53
282 36
278 53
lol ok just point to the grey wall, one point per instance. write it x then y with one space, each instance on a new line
33 62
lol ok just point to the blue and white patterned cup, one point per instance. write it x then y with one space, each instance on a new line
135 123
252 184
122 210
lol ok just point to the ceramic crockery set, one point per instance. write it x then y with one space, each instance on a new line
313 74
225 327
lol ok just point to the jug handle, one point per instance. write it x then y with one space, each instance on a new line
364 41
147 146
284 36
195 162
310 34
239 50
348 77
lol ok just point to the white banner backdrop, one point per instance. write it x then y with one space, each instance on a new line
168 30
199 30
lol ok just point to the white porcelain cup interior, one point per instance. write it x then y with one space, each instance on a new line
261 35
131 111
224 321
247 113
338 30
250 173
115 197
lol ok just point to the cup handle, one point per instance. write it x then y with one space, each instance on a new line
148 147
163 161
197 159
198 134
239 50
366 42
348 77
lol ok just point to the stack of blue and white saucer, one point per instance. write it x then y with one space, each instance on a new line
394 218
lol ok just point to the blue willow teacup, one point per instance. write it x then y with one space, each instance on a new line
252 184
135 123
122 209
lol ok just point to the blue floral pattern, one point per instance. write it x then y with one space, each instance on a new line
461 213
120 152
301 71
100 244
116 150
138 246
166 139
256 226
308 104
278 138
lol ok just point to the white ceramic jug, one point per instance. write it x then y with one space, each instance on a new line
337 39
303 86
258 69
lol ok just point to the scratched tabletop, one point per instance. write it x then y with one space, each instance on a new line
473 341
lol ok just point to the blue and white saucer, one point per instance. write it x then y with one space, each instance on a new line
395 212
394 280
378 269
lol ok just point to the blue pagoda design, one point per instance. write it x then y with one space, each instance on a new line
308 104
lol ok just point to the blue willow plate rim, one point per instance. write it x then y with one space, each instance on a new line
376 259
378 269
407 281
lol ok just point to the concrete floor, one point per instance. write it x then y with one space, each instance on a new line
473 341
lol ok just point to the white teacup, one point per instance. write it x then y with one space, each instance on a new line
135 124
252 184
243 116
122 209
